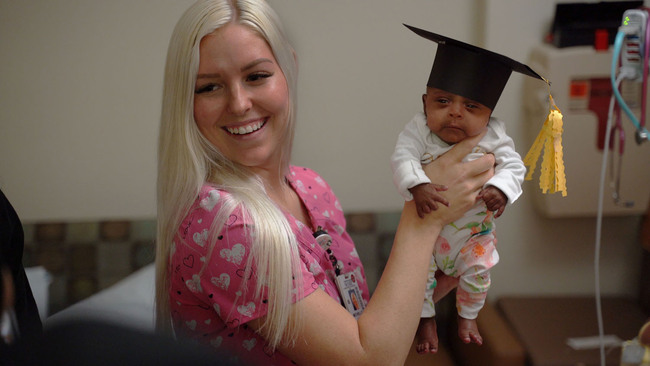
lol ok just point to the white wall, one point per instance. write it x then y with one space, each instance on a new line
81 88
362 74
80 94
80 101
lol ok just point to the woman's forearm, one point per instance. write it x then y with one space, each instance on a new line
387 326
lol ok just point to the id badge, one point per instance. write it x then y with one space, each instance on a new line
350 294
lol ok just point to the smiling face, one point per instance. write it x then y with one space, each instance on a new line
241 100
452 117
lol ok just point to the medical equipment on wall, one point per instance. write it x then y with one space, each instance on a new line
632 44
605 96
629 62
582 86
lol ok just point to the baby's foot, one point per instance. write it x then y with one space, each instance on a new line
427 336
468 331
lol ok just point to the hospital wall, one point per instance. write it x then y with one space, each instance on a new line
80 105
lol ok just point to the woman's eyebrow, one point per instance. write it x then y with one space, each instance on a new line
255 63
244 68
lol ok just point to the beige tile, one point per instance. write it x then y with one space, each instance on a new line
50 232
52 256
83 259
360 222
114 230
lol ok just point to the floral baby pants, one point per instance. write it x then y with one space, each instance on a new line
469 259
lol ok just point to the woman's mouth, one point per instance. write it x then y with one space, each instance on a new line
246 129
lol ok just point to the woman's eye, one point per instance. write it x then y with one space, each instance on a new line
206 88
258 76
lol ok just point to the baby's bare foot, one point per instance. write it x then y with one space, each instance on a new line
427 336
468 331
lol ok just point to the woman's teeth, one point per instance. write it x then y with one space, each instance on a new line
245 129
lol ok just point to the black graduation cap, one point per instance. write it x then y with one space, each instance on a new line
470 71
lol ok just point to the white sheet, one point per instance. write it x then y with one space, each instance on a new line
129 302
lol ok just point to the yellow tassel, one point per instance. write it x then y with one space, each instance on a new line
552 178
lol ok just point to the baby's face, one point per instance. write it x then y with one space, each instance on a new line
452 117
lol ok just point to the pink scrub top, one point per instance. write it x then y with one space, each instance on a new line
210 306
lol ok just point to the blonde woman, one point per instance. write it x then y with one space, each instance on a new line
253 256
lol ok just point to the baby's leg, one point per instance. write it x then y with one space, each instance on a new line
474 262
427 336
468 331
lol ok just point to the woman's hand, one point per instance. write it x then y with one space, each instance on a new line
463 179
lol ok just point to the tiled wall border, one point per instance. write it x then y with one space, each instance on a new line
86 257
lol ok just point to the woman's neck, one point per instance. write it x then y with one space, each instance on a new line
283 194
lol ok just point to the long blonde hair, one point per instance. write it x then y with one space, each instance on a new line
186 161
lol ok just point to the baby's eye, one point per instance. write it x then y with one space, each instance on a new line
472 105
442 100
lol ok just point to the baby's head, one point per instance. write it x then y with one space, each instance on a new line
472 75
453 117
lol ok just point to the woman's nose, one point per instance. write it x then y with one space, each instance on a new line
240 101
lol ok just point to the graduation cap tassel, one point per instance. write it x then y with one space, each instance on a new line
552 178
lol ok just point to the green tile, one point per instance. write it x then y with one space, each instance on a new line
50 232
388 221
143 253
81 287
143 230
114 259
83 232
29 230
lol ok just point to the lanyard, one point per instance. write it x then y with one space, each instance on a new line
346 283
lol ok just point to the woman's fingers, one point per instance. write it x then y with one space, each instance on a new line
479 171
463 179
449 170
461 149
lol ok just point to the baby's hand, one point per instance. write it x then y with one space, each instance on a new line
426 197
494 199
